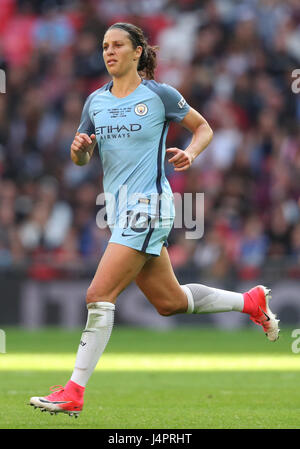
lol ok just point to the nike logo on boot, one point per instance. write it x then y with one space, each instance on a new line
267 316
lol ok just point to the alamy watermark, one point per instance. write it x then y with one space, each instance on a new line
296 83
2 82
296 342
2 342
138 212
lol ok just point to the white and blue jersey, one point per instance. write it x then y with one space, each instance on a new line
131 135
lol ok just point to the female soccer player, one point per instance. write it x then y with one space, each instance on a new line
128 118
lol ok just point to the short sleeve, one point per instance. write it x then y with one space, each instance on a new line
176 106
86 125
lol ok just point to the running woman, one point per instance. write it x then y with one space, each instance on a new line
128 118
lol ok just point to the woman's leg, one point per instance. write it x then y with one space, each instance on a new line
159 284
117 268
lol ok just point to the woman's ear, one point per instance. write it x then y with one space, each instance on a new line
139 51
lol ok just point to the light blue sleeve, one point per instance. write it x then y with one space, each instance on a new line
86 125
175 105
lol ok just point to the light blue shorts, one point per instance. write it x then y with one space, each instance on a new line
143 227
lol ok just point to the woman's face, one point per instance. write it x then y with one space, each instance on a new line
119 55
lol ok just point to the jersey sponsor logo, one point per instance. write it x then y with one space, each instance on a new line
181 103
141 109
118 131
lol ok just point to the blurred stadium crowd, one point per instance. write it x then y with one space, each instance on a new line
233 62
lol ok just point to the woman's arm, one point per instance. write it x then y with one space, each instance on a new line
202 136
82 148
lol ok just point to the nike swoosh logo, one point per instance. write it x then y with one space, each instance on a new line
267 316
54 402
126 235
97 112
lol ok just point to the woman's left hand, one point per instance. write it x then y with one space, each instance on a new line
181 160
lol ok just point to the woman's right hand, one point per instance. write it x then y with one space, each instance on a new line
82 142
82 148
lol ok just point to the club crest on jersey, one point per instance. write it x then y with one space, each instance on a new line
141 109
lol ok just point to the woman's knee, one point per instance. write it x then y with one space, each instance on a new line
166 308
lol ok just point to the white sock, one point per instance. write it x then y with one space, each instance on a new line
93 340
203 299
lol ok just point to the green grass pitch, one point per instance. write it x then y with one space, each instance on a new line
194 378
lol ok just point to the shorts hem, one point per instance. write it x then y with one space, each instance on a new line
151 253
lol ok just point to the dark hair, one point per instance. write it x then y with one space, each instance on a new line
147 62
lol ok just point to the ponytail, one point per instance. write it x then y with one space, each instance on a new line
147 62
